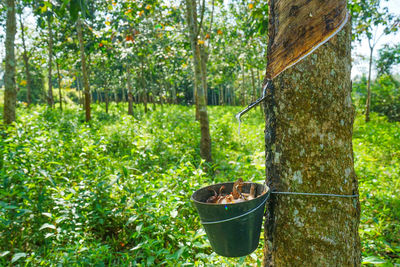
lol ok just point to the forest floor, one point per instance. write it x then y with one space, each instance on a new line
116 191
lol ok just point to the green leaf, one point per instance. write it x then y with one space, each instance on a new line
4 253
17 256
47 225
373 260
131 219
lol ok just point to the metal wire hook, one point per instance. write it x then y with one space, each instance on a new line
255 103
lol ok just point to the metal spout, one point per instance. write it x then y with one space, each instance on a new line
255 103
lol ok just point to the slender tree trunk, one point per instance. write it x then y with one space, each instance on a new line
78 88
200 80
84 70
59 84
253 84
50 98
143 84
174 100
130 92
116 99
10 93
26 63
123 98
144 94
243 94
107 96
221 95
100 97
308 137
368 102
196 101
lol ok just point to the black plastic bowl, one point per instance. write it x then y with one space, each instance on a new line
233 229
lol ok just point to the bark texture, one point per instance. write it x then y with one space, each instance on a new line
130 91
26 64
200 81
50 98
368 102
84 70
59 85
10 93
308 136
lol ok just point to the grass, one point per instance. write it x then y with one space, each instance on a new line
116 191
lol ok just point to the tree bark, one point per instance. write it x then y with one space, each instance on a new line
26 63
368 102
50 98
253 84
10 93
130 92
84 70
78 88
59 84
308 137
243 95
106 94
200 80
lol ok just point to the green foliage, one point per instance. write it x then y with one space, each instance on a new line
116 191
385 95
377 163
388 56
37 80
367 15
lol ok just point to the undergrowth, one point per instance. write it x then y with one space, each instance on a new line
116 191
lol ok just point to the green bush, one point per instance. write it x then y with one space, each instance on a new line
116 191
385 96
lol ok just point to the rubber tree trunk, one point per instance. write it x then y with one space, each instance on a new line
26 64
308 137
200 80
59 85
368 102
50 98
253 85
243 95
10 93
84 70
130 92
79 88
107 99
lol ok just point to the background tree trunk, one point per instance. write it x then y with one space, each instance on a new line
26 63
107 98
10 94
308 136
50 98
59 85
368 102
200 80
130 93
84 70
243 94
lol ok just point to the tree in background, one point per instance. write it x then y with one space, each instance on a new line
25 57
367 16
10 95
200 81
